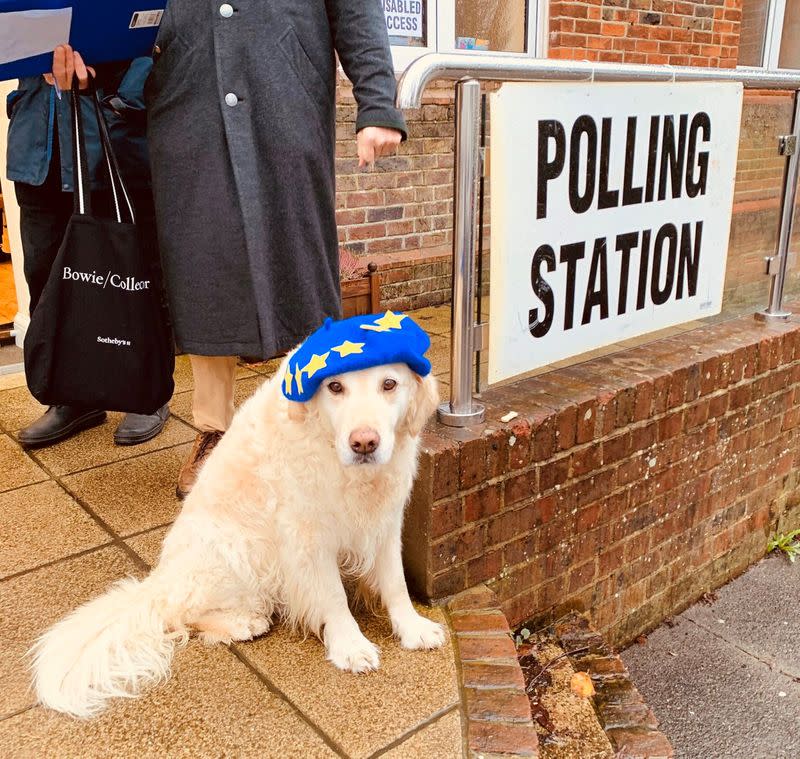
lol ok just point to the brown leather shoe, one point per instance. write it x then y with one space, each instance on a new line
204 443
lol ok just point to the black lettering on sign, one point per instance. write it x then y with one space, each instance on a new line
571 254
544 255
689 262
660 295
584 125
652 155
630 195
597 292
672 156
549 130
606 198
695 187
644 264
625 244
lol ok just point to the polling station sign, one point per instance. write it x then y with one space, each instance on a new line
610 213
403 18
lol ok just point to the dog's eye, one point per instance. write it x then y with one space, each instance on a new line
335 387
389 385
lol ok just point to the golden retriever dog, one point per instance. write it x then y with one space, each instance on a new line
293 497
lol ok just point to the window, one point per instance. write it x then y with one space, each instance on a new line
770 34
422 26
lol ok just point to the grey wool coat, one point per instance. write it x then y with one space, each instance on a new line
241 126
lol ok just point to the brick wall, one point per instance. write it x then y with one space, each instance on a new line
702 33
406 202
628 486
400 214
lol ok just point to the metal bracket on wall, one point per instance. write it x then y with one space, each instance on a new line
787 144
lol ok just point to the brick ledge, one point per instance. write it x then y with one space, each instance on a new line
498 716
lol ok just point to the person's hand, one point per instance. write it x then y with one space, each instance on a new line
67 63
374 142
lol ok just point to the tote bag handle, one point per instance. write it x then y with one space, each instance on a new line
82 193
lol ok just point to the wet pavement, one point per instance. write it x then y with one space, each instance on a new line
723 678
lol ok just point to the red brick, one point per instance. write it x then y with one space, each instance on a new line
521 487
503 738
486 647
446 517
482 503
509 705
639 743
479 597
485 675
490 621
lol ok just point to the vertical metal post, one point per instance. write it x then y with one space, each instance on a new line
781 260
463 410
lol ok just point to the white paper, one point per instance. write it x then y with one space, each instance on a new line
24 34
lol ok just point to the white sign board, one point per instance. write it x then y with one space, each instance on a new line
403 18
611 210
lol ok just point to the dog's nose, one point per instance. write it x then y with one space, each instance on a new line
364 441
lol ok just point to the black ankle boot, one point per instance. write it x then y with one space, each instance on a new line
58 423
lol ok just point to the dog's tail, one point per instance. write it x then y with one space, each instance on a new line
113 646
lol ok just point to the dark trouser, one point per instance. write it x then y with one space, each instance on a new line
45 211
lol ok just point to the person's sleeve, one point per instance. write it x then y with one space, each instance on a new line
362 42
128 100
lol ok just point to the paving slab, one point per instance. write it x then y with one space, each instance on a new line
95 447
134 495
758 613
32 602
714 698
440 740
212 706
16 468
148 545
42 523
409 689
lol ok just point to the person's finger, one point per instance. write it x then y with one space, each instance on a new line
59 65
366 152
69 68
50 79
80 70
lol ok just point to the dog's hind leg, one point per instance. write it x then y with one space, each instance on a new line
227 626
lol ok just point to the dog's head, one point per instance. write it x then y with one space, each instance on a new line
366 411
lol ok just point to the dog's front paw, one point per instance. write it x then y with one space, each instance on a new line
418 632
353 653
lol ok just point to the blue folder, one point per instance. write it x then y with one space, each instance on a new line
100 31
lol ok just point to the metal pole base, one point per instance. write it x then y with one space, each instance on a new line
475 415
767 316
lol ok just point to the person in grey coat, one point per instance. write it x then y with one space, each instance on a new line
241 127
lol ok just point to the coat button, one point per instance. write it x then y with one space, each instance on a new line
231 99
226 10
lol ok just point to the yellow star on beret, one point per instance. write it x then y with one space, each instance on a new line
387 322
347 348
287 381
315 363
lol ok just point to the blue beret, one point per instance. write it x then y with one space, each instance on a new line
352 344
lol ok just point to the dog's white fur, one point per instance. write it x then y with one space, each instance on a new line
281 508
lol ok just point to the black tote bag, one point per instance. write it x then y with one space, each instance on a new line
100 335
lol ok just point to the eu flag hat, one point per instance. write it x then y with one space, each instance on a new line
359 342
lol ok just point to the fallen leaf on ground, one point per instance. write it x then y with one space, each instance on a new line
582 685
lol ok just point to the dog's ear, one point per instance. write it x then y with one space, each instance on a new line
297 412
424 400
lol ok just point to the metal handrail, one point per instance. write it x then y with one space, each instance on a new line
515 68
467 70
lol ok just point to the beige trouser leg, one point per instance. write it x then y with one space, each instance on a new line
212 403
